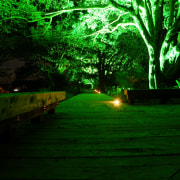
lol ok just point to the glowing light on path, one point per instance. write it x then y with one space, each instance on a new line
116 102
99 92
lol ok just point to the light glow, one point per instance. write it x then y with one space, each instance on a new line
116 102
99 92
16 90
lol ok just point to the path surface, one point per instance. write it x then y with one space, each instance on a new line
90 138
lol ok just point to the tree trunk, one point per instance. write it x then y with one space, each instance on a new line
101 85
152 68
155 75
152 76
101 71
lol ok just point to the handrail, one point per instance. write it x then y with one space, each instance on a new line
13 104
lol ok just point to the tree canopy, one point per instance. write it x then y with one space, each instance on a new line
81 24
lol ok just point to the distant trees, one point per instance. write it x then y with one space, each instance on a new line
102 61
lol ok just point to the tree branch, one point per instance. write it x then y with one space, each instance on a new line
121 7
47 26
117 19
171 6
106 30
136 6
137 17
23 18
149 17
57 13
142 29
159 20
77 9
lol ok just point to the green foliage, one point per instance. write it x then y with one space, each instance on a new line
67 30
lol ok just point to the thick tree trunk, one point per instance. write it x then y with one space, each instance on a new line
156 79
153 53
152 68
152 75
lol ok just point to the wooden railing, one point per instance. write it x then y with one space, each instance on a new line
16 108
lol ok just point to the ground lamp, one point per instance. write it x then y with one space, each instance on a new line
116 102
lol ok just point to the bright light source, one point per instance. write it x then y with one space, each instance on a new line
16 90
116 102
99 92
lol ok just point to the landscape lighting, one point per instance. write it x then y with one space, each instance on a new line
116 102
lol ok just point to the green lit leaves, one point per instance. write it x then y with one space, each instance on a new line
92 25
66 4
95 2
171 13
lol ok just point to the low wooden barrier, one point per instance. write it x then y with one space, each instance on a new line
162 94
16 108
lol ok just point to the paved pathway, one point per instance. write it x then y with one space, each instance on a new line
90 138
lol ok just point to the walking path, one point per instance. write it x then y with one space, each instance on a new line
91 138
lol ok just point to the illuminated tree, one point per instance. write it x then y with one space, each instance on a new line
158 23
156 20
